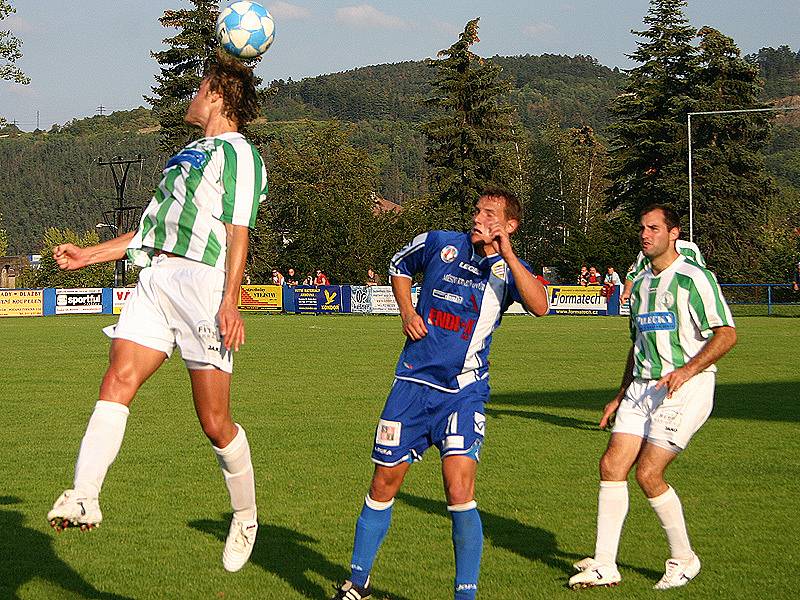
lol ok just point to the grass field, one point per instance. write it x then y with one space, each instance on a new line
309 389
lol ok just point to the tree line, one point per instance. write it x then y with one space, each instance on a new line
584 147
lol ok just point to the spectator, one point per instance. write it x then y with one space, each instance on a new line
796 284
583 276
610 282
309 280
277 277
291 278
594 277
321 278
372 278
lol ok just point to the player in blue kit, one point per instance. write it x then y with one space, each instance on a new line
442 377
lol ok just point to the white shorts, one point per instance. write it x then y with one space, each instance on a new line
174 303
666 422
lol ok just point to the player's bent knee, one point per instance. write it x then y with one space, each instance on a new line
219 429
649 477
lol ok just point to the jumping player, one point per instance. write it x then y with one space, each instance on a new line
680 327
192 240
442 377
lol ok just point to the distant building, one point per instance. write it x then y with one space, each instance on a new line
382 205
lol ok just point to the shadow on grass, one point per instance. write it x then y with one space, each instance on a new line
27 554
289 555
768 401
557 420
532 543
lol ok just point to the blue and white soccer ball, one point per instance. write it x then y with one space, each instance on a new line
245 29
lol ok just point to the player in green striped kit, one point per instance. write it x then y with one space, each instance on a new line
680 327
192 242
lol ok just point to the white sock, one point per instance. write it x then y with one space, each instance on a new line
670 513
100 446
234 460
612 508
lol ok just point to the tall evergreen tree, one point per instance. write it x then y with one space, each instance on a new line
733 191
182 66
648 145
10 52
472 122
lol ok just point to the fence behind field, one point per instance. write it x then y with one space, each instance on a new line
758 299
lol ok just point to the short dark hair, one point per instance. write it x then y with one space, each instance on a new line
513 208
671 217
235 81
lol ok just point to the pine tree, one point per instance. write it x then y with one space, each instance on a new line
648 145
465 138
182 66
732 189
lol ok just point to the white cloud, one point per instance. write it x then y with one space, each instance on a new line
288 11
538 29
16 24
365 15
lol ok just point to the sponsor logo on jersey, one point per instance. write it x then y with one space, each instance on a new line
194 158
451 322
383 451
461 587
388 433
469 267
208 334
455 298
499 270
657 321
478 285
448 254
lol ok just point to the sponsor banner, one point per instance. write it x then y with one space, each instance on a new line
21 303
318 299
383 302
576 300
119 298
360 299
516 309
261 298
79 300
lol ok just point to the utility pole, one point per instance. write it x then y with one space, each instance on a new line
100 110
121 218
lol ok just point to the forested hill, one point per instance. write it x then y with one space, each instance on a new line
53 179
576 90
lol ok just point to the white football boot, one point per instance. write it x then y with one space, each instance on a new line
73 509
239 545
594 574
678 572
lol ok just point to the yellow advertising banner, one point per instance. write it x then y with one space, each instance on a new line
260 298
21 303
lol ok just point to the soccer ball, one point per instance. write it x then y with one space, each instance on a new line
245 29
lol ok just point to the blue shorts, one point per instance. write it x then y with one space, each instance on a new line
417 417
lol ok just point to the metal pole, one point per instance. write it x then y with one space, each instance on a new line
691 203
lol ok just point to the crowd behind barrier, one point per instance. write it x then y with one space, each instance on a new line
302 299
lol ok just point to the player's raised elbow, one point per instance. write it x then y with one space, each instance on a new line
728 335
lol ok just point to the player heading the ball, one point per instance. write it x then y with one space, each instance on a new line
192 242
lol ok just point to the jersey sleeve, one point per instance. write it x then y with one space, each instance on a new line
707 305
512 285
244 184
637 267
414 256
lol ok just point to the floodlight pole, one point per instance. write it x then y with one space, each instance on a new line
689 135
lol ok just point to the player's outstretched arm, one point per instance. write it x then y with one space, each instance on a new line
231 324
413 325
716 347
70 257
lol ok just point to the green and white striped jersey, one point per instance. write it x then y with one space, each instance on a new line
672 316
689 249
212 181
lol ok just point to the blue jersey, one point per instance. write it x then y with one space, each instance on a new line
462 301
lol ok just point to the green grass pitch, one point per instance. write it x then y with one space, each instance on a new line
308 390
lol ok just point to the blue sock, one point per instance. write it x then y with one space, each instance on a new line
371 528
468 546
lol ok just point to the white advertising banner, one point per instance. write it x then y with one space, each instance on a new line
79 300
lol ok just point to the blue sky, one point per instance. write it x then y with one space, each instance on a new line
81 55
